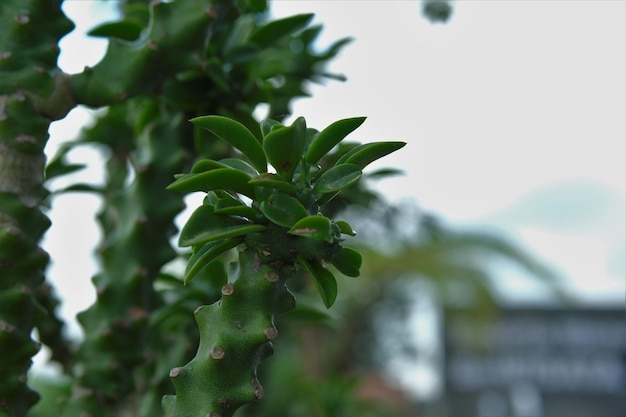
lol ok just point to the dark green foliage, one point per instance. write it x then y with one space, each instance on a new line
137 223
179 60
28 101
292 235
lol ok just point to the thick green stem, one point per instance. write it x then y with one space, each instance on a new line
138 223
29 100
235 335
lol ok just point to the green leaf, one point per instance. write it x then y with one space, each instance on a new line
274 181
272 32
207 254
316 227
337 178
240 30
282 209
257 5
228 205
237 135
240 211
128 30
365 154
240 165
324 281
59 167
206 165
345 228
384 172
79 187
267 125
217 179
284 147
205 225
328 138
348 262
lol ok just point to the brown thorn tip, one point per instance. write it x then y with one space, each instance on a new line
174 372
228 289
270 332
217 352
271 276
259 392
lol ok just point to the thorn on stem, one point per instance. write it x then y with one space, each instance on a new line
217 352
228 289
270 332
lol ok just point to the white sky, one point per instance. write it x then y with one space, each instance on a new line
514 114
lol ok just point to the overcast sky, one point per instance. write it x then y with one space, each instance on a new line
514 114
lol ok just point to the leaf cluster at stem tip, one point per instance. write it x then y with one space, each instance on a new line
247 202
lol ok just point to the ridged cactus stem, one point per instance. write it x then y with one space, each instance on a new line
236 333
32 94
138 222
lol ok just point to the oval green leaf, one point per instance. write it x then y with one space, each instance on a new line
128 30
267 125
274 181
365 154
207 254
337 178
284 147
328 138
265 35
348 262
316 227
206 165
205 226
237 135
217 179
282 209
345 228
324 281
241 165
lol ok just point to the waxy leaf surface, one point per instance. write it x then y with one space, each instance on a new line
237 135
348 262
207 254
363 155
274 181
345 228
316 227
328 138
337 178
205 226
282 209
324 281
217 179
284 147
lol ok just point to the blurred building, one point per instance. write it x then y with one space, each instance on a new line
535 363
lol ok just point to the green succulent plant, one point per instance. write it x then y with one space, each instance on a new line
275 219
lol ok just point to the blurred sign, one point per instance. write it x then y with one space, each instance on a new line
536 363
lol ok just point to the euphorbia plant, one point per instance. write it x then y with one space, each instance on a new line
275 218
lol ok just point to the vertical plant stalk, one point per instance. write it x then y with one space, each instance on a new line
138 222
180 61
233 340
279 233
31 96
